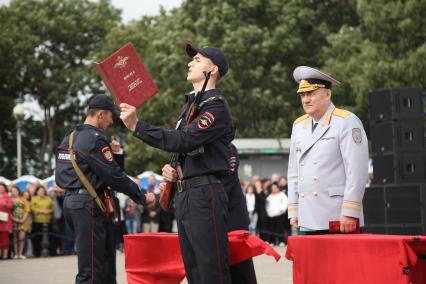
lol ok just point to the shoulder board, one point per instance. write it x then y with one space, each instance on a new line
301 118
341 112
206 101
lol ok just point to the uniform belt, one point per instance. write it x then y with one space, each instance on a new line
77 191
183 185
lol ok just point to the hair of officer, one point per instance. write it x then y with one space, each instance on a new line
92 112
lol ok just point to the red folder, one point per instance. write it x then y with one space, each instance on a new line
126 77
334 227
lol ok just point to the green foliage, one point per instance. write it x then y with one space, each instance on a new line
387 50
263 40
44 47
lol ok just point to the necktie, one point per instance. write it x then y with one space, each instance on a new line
314 126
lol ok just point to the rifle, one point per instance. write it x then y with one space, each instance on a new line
169 191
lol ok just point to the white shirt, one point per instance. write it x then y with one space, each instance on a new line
251 202
276 204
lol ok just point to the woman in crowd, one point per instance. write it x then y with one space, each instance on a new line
251 207
20 213
26 226
276 206
42 209
262 193
6 206
130 215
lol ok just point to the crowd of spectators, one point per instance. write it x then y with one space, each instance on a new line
267 206
32 223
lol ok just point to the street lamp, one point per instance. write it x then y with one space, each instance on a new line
19 113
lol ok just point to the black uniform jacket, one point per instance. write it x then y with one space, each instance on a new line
96 160
212 130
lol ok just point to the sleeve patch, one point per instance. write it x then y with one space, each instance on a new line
205 120
63 156
106 152
357 135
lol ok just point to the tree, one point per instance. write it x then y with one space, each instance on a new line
264 41
48 43
386 50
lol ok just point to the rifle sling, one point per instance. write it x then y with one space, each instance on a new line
81 175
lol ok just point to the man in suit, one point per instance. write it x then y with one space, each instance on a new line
328 164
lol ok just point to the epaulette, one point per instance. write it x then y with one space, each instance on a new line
341 112
206 101
301 118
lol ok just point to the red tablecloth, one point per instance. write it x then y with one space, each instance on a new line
156 258
363 258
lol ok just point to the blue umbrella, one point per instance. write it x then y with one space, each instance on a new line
143 177
22 182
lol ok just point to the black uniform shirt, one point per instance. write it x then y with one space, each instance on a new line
95 159
212 129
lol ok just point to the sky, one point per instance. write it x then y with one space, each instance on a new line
134 9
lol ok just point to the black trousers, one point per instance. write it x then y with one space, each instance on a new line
94 238
37 237
243 272
201 214
275 225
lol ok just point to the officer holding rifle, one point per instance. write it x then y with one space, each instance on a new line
202 135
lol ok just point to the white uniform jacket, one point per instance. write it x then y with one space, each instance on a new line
328 169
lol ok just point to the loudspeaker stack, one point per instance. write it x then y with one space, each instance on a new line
395 203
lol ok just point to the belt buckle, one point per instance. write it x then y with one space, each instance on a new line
179 185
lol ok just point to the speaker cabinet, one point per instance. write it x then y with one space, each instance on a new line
395 209
400 168
402 136
374 205
395 104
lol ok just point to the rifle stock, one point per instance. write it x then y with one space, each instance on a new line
168 192
167 196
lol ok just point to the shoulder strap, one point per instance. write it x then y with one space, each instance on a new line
206 101
81 175
301 118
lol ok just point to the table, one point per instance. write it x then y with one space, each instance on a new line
155 257
357 258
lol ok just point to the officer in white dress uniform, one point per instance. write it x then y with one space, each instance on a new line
328 164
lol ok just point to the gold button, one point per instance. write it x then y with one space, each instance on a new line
315 193
302 195
314 177
315 162
301 179
302 163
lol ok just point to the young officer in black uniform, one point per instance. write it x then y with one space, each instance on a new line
92 228
243 272
201 202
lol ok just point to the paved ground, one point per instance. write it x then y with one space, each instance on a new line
58 270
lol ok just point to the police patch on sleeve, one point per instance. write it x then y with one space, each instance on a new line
63 156
106 152
357 135
232 163
205 120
